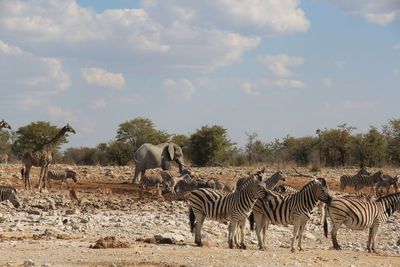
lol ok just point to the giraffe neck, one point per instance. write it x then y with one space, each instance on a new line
53 142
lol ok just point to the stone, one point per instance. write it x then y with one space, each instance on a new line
29 263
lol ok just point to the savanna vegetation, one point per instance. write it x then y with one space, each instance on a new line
211 145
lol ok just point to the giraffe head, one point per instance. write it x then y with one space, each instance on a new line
68 128
4 124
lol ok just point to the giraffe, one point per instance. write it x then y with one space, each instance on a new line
5 125
42 157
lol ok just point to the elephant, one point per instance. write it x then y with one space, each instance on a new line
149 156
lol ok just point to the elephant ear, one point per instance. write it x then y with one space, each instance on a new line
171 151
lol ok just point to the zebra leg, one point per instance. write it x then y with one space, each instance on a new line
300 235
260 223
335 229
242 225
321 208
296 228
373 231
265 225
199 224
231 232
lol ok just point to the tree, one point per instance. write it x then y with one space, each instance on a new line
370 148
255 150
5 145
119 153
392 134
33 136
138 131
209 145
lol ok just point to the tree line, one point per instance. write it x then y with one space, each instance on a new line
210 145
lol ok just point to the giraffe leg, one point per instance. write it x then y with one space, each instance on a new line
41 178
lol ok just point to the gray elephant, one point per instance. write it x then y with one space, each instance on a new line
149 156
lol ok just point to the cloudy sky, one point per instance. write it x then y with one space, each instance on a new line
273 67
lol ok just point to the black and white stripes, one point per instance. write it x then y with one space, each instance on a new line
359 181
10 194
359 215
291 209
233 208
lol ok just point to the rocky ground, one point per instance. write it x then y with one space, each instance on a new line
48 229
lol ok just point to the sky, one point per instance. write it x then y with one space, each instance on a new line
273 67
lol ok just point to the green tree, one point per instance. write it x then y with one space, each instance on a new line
139 131
5 144
392 134
119 153
209 145
34 135
255 150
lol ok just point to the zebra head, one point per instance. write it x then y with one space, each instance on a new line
72 174
378 176
13 198
322 191
363 171
279 175
259 175
259 188
4 124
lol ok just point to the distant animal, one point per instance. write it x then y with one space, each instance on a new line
61 176
4 158
233 208
359 181
271 182
360 215
186 184
10 194
287 209
152 183
73 196
5 125
387 182
104 190
149 156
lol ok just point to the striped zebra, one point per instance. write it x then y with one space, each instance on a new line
216 205
271 182
285 189
360 215
61 176
259 175
293 209
387 182
359 181
9 193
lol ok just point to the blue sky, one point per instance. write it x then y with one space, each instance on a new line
270 67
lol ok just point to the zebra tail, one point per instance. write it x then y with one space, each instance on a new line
192 219
251 221
325 222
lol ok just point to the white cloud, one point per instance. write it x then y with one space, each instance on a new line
327 82
396 46
289 83
9 50
380 12
179 90
279 64
101 77
260 17
29 69
58 113
249 89
358 105
340 64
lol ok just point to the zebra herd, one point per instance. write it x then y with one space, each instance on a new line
259 200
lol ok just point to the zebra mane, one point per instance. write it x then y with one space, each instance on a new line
314 181
389 197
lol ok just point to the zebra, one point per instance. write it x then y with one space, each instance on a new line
285 189
259 175
360 215
150 182
61 175
274 179
358 181
291 209
387 182
216 205
9 193
186 185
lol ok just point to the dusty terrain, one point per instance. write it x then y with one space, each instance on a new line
48 229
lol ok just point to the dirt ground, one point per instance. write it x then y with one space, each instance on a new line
20 244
